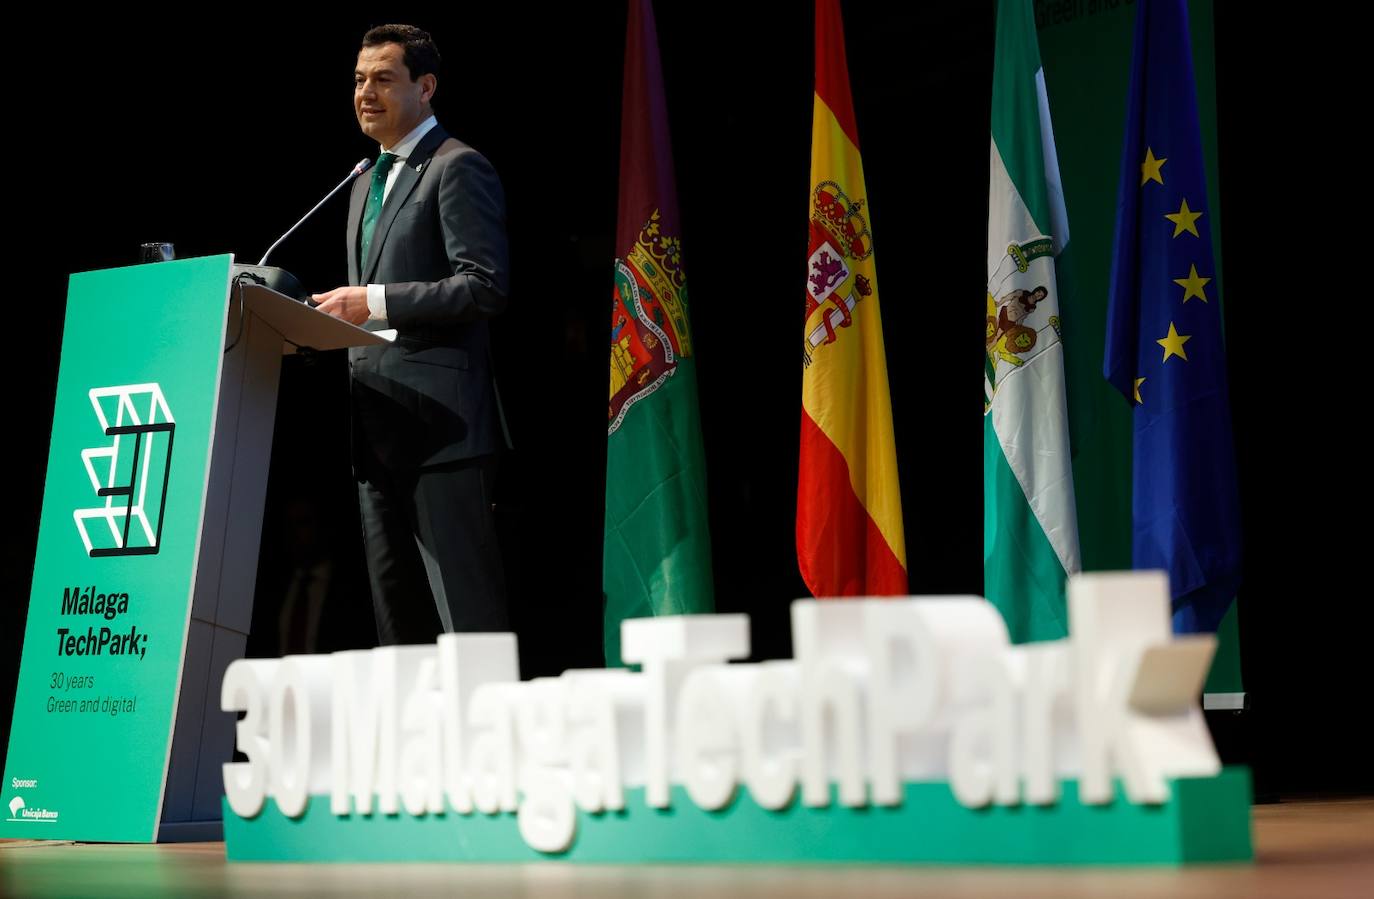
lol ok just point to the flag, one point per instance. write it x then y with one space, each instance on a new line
657 554
1164 347
1030 523
849 508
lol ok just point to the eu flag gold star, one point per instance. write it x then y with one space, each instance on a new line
1149 169
1138 382
1184 220
1193 285
1173 344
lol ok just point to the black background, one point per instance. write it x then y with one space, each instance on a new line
217 134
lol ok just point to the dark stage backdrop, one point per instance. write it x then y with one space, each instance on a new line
217 134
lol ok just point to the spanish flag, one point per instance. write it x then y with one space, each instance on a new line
849 507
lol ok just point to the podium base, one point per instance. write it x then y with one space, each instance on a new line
191 832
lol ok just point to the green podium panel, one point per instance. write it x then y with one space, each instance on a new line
118 544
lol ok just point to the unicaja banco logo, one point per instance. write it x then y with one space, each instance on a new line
20 813
130 473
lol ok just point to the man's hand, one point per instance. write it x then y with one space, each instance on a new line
347 303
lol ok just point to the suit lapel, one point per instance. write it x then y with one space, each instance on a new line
357 198
406 180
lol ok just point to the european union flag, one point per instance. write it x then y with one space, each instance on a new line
1165 350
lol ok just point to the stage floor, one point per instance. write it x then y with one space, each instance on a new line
1303 849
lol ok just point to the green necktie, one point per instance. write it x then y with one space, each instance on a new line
375 195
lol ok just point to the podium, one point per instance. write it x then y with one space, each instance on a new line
147 559
222 606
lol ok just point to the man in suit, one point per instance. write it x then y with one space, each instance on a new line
427 257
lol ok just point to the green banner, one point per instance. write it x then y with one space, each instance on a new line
117 548
1086 50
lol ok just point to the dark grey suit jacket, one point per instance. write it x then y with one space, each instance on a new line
440 248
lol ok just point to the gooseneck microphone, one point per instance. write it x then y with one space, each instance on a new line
362 166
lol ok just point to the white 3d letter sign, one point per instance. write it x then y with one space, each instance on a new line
882 692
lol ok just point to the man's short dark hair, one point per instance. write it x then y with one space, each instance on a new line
421 54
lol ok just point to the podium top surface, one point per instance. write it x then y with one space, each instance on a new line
303 325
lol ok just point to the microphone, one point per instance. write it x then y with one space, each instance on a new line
362 166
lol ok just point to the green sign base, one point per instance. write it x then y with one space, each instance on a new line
1206 820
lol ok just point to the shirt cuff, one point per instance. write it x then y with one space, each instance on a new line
376 302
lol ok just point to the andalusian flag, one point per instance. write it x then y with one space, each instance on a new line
849 508
1030 525
657 556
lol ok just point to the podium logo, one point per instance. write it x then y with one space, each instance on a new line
19 813
130 473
